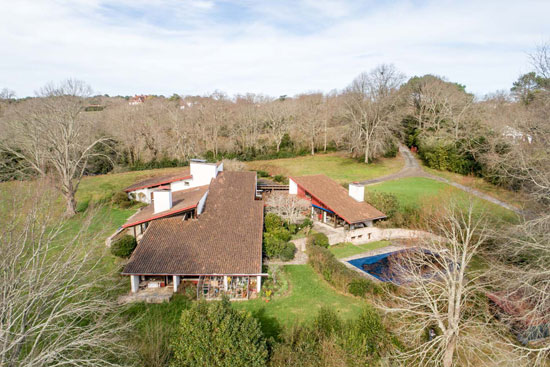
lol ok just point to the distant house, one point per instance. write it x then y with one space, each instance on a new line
332 204
136 100
202 226
516 135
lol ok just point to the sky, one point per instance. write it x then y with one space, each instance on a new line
274 47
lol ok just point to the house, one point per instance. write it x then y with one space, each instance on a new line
332 204
136 100
199 173
209 233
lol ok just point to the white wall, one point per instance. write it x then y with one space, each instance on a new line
203 173
292 187
163 201
146 192
357 191
181 185
202 201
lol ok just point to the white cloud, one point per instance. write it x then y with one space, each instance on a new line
277 48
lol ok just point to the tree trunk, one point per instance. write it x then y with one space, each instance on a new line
367 151
449 352
70 209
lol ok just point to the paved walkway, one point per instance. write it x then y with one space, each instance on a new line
413 169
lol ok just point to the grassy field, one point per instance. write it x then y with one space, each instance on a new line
514 198
308 293
418 191
348 249
335 165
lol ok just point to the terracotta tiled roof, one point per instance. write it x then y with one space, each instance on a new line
181 201
160 180
225 239
337 199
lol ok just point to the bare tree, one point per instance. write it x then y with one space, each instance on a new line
439 292
289 207
311 117
52 310
370 104
540 60
279 117
53 134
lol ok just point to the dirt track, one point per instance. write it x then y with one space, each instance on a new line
413 169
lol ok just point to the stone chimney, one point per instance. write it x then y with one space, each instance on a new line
162 200
357 191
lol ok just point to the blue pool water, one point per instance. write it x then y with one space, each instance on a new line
380 267
377 267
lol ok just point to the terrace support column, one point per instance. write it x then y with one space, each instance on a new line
258 284
134 281
176 280
225 282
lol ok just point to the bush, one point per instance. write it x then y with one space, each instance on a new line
318 239
124 246
215 334
275 246
121 199
336 273
272 222
261 173
385 202
360 287
329 341
280 179
287 252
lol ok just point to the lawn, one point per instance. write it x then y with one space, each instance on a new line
478 183
348 249
419 191
338 166
308 293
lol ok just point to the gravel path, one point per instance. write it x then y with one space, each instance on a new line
413 169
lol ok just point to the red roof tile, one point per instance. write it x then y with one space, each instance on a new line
181 201
337 199
225 239
160 180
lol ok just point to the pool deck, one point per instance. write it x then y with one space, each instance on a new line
378 251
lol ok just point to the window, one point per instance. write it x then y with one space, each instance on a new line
186 183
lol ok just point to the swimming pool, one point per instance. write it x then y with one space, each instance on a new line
388 267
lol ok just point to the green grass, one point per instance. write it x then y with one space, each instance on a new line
418 191
336 165
348 249
308 293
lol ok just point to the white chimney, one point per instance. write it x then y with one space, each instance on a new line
357 191
162 200
202 172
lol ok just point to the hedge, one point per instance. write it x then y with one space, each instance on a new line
337 274
124 246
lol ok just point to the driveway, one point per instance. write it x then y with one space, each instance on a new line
413 169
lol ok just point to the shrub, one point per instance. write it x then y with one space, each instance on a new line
327 321
275 246
261 173
334 272
306 223
385 202
215 334
360 286
280 179
124 246
272 222
287 252
318 239
121 199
